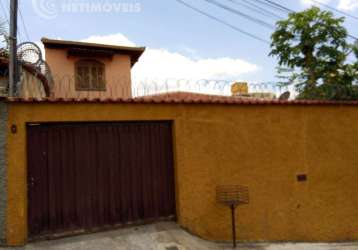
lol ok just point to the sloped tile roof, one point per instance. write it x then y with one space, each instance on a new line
134 52
184 98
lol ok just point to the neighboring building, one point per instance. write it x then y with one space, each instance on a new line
32 83
241 89
81 70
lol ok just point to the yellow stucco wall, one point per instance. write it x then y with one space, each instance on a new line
261 146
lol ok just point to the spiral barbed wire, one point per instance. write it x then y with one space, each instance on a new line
150 86
122 87
29 53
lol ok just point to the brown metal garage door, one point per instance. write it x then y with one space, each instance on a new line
86 177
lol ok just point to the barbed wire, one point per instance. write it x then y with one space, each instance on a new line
150 86
65 87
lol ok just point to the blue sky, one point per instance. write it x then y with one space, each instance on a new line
181 42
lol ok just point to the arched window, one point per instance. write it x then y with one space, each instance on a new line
90 75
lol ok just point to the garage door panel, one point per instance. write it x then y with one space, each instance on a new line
68 195
38 162
90 176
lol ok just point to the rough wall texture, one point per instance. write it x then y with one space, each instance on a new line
3 174
262 146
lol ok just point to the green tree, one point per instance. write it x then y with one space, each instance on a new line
312 51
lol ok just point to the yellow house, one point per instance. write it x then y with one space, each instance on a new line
73 166
88 70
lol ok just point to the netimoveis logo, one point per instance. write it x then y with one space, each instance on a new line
49 9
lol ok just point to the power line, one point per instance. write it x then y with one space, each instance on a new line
335 9
265 2
24 24
292 11
261 8
256 8
258 21
4 33
338 11
275 6
7 10
353 37
222 22
279 6
4 12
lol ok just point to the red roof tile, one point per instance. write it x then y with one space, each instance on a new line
134 52
184 98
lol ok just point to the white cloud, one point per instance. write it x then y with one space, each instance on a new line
161 63
165 64
308 3
348 4
113 39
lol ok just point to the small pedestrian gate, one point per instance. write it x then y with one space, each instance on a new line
92 176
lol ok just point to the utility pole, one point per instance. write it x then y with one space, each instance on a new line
13 48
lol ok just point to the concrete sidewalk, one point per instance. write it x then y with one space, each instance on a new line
162 236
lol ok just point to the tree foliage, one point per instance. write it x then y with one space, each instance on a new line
312 51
